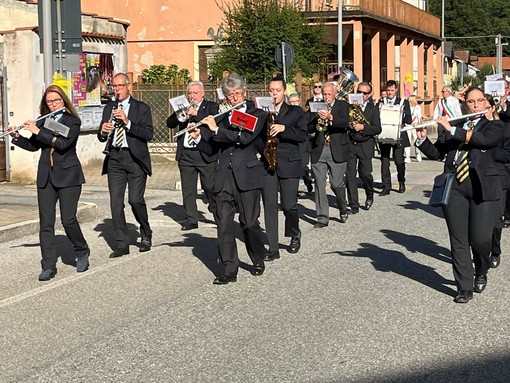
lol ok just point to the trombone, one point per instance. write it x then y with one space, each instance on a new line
18 128
189 129
434 122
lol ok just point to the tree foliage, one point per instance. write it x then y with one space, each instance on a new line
475 18
254 28
161 74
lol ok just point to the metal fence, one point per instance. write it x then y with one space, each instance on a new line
157 96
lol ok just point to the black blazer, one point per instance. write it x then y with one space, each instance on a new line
502 157
140 133
237 151
365 137
206 108
67 169
407 119
486 136
337 133
289 141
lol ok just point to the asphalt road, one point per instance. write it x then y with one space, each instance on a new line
365 301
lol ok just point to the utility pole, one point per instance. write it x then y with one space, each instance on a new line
47 37
499 54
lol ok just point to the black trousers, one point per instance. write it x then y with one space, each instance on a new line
124 171
358 162
191 165
498 227
470 224
67 197
248 204
289 203
398 158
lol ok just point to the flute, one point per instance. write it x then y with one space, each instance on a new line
434 122
189 129
18 128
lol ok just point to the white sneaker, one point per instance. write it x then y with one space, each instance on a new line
407 160
418 158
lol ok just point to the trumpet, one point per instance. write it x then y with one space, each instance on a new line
434 122
189 129
18 128
182 114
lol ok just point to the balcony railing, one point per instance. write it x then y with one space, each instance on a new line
397 11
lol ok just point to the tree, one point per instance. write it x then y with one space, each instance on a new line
254 28
475 18
160 74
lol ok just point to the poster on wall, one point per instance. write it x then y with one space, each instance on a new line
92 84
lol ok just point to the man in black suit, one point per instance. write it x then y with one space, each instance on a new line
330 153
362 145
191 161
317 94
398 148
238 180
290 130
126 126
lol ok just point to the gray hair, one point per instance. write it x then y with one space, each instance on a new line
233 81
123 75
193 83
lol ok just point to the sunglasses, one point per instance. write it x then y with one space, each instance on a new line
365 93
317 86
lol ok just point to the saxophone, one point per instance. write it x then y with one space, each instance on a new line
322 125
270 149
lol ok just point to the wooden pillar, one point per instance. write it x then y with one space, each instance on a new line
357 28
430 77
390 58
404 65
420 91
375 48
439 70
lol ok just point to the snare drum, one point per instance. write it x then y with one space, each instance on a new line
391 122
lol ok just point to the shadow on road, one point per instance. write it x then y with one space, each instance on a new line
105 230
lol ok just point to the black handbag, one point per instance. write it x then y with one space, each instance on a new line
441 190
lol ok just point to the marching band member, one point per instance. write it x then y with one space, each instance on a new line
191 161
398 148
362 145
473 203
128 162
416 119
330 153
290 130
238 180
59 178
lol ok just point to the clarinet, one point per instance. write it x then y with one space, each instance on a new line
108 145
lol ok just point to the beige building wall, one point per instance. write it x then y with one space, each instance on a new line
162 31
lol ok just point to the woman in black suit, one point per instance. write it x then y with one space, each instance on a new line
473 205
59 178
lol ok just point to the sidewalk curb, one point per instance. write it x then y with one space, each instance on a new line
86 212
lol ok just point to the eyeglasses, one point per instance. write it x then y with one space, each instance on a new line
55 101
236 94
479 101
365 93
116 86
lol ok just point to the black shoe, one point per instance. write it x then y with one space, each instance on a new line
354 211
368 203
258 269
401 187
464 296
384 192
495 259
295 244
320 225
343 217
189 226
145 245
271 255
47 274
119 253
82 263
506 223
224 279
480 283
